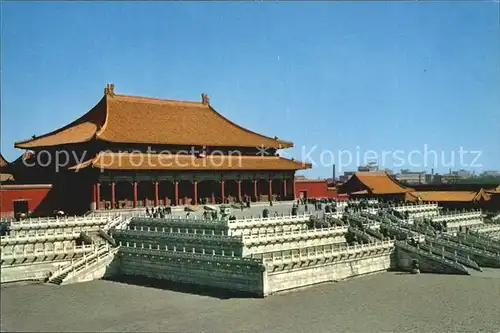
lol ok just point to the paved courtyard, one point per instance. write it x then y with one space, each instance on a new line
390 301
256 210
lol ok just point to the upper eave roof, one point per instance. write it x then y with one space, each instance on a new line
132 119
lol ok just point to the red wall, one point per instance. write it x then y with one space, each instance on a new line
34 194
314 189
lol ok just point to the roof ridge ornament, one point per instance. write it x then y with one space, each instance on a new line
109 90
205 99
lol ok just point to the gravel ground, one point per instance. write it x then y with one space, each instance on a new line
389 301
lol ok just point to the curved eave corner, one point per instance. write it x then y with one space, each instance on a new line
91 116
304 165
284 144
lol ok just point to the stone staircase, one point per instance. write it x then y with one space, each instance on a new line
478 254
84 265
440 251
429 262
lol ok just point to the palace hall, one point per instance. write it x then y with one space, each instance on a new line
131 151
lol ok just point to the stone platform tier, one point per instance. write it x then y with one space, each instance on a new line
222 271
259 242
294 269
260 276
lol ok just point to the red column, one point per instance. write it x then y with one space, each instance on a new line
98 196
239 190
255 190
135 194
284 189
94 192
222 190
195 190
113 195
294 191
157 200
176 193
270 190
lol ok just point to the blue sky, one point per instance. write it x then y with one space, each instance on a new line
381 76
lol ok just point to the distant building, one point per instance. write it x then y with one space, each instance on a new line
410 177
491 173
454 176
462 174
314 188
370 167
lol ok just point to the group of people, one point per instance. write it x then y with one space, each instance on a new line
317 203
160 212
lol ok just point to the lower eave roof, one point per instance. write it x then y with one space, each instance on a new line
131 161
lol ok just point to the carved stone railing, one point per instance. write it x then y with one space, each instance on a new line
270 229
458 217
50 235
417 208
279 258
66 222
173 252
176 220
46 252
266 221
294 235
165 233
